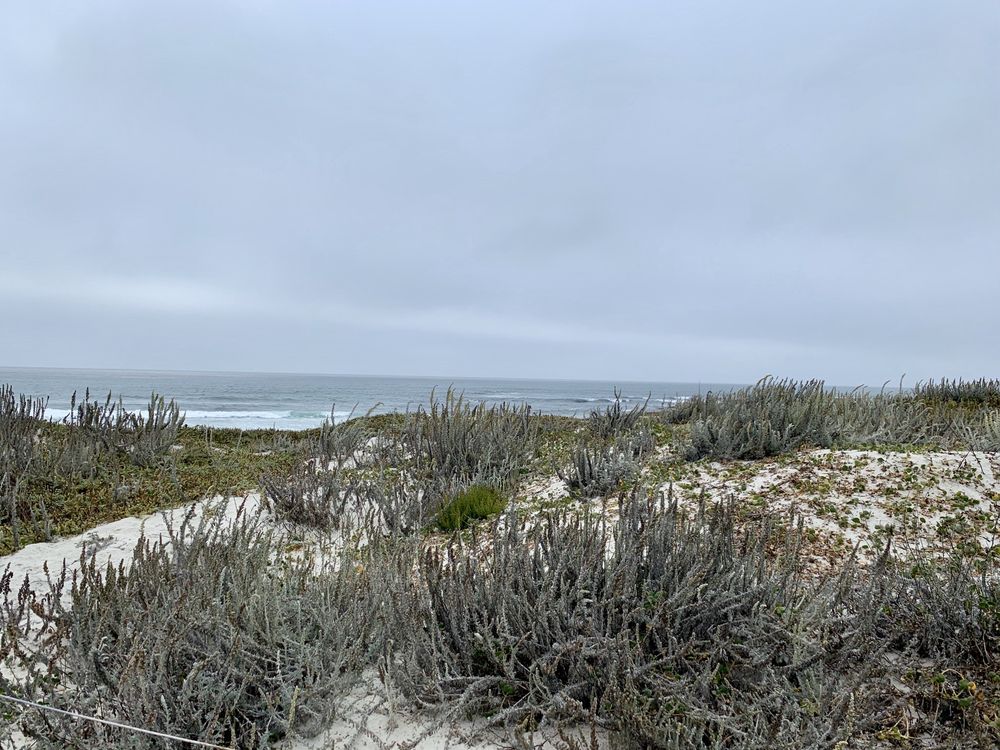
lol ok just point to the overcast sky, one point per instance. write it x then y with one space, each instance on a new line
622 190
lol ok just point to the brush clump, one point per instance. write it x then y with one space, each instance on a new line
780 416
609 455
209 634
958 392
765 420
95 438
616 419
103 462
98 429
664 627
454 441
339 443
477 503
599 469
310 497
21 419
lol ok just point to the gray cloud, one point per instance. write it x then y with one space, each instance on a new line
692 190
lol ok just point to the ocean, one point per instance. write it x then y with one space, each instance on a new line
295 402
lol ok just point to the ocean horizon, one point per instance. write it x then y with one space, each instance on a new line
290 401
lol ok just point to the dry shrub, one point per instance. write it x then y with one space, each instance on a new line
611 454
597 470
687 634
948 610
397 505
206 635
454 442
981 392
21 421
616 419
775 417
102 431
338 443
666 628
310 497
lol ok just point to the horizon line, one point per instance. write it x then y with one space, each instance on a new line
371 375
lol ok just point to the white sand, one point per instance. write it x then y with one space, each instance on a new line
930 500
110 542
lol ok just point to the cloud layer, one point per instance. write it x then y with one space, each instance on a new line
660 191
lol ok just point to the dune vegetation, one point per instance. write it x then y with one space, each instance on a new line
783 566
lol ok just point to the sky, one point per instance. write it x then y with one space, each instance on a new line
668 191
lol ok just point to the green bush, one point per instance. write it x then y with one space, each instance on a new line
477 502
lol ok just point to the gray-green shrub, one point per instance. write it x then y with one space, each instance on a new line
981 392
309 496
767 419
667 628
598 469
205 634
774 417
21 421
339 442
616 420
97 430
455 442
685 634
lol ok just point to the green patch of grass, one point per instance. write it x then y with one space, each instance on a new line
556 438
228 463
663 433
476 503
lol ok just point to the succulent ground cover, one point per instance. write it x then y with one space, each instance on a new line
587 581
923 501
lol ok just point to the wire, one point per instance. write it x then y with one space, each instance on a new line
32 704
